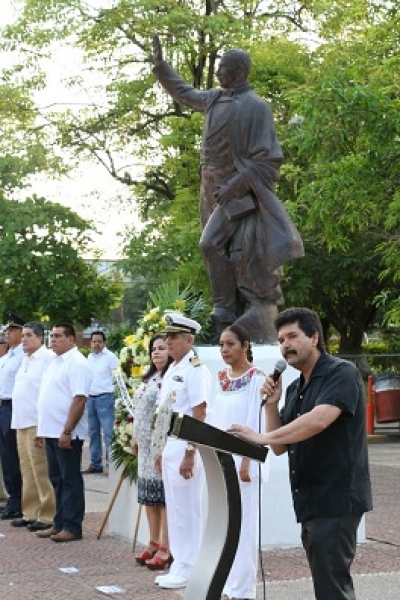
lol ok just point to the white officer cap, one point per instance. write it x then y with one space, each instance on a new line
177 323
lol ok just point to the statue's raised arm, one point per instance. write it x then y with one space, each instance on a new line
157 49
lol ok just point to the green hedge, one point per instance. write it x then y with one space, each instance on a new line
381 356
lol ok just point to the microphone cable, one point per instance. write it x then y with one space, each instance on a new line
260 558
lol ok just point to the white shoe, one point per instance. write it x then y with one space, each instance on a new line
171 582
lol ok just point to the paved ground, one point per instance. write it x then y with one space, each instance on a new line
30 567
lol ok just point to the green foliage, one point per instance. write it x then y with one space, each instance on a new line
170 296
116 336
85 351
24 147
344 177
340 181
42 273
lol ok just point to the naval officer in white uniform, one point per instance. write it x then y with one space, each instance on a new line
182 469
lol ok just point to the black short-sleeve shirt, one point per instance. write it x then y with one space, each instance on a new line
329 472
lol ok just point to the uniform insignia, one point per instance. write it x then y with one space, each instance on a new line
196 362
177 378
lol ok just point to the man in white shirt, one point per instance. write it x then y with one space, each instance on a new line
9 365
61 406
38 503
100 404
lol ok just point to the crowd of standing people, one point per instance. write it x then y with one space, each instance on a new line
321 425
43 425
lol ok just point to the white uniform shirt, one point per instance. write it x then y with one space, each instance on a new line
9 365
190 383
67 376
102 366
26 388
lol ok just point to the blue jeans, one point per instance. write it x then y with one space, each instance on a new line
65 475
101 415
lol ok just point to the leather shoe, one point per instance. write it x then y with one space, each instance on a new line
21 522
47 533
39 526
66 536
91 470
10 514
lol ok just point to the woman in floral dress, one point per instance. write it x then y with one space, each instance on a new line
156 554
238 400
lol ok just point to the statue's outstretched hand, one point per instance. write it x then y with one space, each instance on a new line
157 49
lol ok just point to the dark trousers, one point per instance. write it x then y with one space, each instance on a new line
65 475
10 459
330 545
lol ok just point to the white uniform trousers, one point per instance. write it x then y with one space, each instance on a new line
183 499
242 579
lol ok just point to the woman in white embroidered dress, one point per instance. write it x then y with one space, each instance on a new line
238 400
156 554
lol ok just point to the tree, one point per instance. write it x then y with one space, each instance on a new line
25 145
42 275
345 167
346 92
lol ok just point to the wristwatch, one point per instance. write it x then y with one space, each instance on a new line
191 447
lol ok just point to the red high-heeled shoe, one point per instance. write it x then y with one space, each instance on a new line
158 563
147 553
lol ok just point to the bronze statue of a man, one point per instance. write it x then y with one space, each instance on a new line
247 233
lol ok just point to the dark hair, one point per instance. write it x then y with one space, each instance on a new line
307 320
152 368
241 59
69 330
103 335
242 335
37 328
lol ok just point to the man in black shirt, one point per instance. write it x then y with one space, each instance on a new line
322 427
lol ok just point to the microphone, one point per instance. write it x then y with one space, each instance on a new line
278 370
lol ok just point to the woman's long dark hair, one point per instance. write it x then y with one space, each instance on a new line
152 368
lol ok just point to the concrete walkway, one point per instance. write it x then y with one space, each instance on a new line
30 567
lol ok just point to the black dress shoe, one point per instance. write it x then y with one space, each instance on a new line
21 522
39 526
9 514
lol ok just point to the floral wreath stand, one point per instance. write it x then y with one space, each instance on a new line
124 475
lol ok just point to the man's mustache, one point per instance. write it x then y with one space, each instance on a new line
289 352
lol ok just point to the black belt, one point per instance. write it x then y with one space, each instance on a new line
5 401
97 395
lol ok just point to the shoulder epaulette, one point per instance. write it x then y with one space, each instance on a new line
196 362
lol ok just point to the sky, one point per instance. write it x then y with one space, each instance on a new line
89 190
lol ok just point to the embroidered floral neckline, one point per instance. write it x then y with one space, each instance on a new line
229 384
